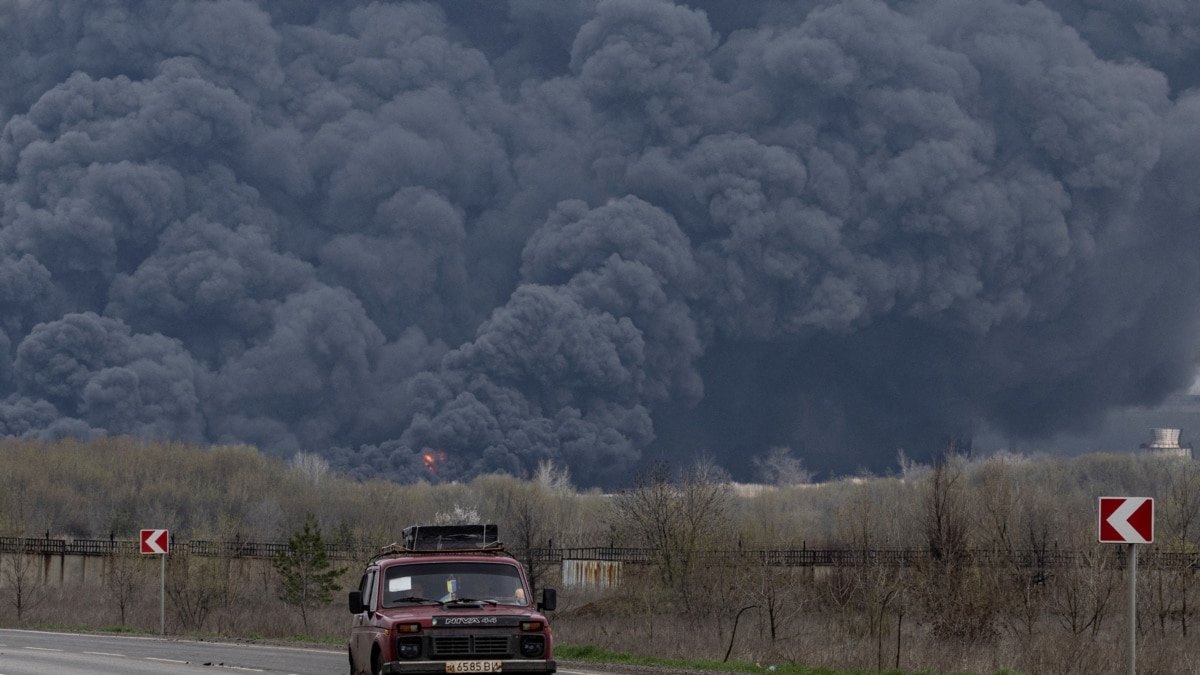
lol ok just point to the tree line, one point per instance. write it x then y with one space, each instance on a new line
971 591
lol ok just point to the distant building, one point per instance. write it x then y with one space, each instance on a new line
1166 444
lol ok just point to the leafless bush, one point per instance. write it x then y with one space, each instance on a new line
459 514
125 580
1083 591
196 587
777 593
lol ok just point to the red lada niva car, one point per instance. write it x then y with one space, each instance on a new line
448 601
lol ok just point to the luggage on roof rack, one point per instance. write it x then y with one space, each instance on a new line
450 537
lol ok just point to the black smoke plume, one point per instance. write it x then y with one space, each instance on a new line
479 235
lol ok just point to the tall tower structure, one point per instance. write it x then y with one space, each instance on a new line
1166 444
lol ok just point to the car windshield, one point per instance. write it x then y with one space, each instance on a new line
430 583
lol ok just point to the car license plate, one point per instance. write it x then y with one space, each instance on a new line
473 666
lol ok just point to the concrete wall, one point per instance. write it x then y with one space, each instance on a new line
65 571
57 570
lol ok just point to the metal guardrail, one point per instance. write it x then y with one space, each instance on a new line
1028 558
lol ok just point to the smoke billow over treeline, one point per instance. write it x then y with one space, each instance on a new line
594 231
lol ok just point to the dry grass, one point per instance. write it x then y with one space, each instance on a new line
811 630
826 636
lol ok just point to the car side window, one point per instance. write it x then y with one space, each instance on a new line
370 596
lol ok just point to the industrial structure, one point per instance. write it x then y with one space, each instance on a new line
1166 444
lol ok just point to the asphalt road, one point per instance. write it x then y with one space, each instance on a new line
25 652
37 653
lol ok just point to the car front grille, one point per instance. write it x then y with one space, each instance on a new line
470 645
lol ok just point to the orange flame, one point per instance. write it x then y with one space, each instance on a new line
432 459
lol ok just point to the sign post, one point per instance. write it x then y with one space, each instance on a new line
1129 521
1132 656
158 542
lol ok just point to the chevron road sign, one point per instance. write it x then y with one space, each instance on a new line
159 542
155 541
1126 520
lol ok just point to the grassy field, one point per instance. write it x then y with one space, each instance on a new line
594 654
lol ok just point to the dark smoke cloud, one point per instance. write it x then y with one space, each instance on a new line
432 240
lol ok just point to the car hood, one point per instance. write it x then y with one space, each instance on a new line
463 616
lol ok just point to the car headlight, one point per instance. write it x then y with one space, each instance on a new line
533 646
409 648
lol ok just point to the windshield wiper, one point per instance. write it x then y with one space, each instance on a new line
413 598
473 601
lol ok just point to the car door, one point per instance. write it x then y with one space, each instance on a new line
361 633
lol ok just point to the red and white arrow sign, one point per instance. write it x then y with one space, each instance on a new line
1126 520
155 541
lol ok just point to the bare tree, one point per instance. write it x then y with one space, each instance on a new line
1004 507
1082 590
124 579
534 513
20 581
780 467
1033 538
553 478
524 508
677 517
771 588
1172 579
193 589
872 588
312 467
998 495
945 516
960 598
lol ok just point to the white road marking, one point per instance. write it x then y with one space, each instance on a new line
106 654
43 649
151 658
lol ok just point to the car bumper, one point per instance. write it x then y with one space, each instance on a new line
508 666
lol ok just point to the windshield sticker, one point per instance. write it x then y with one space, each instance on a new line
397 584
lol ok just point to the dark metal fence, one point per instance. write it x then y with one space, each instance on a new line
1112 556
66 546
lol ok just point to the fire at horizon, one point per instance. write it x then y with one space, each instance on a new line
432 459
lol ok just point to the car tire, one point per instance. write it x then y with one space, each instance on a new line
376 662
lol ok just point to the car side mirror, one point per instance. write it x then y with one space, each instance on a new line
549 600
356 603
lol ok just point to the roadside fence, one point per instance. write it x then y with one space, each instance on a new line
1149 556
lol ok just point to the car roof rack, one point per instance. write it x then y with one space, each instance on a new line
449 537
397 551
446 540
